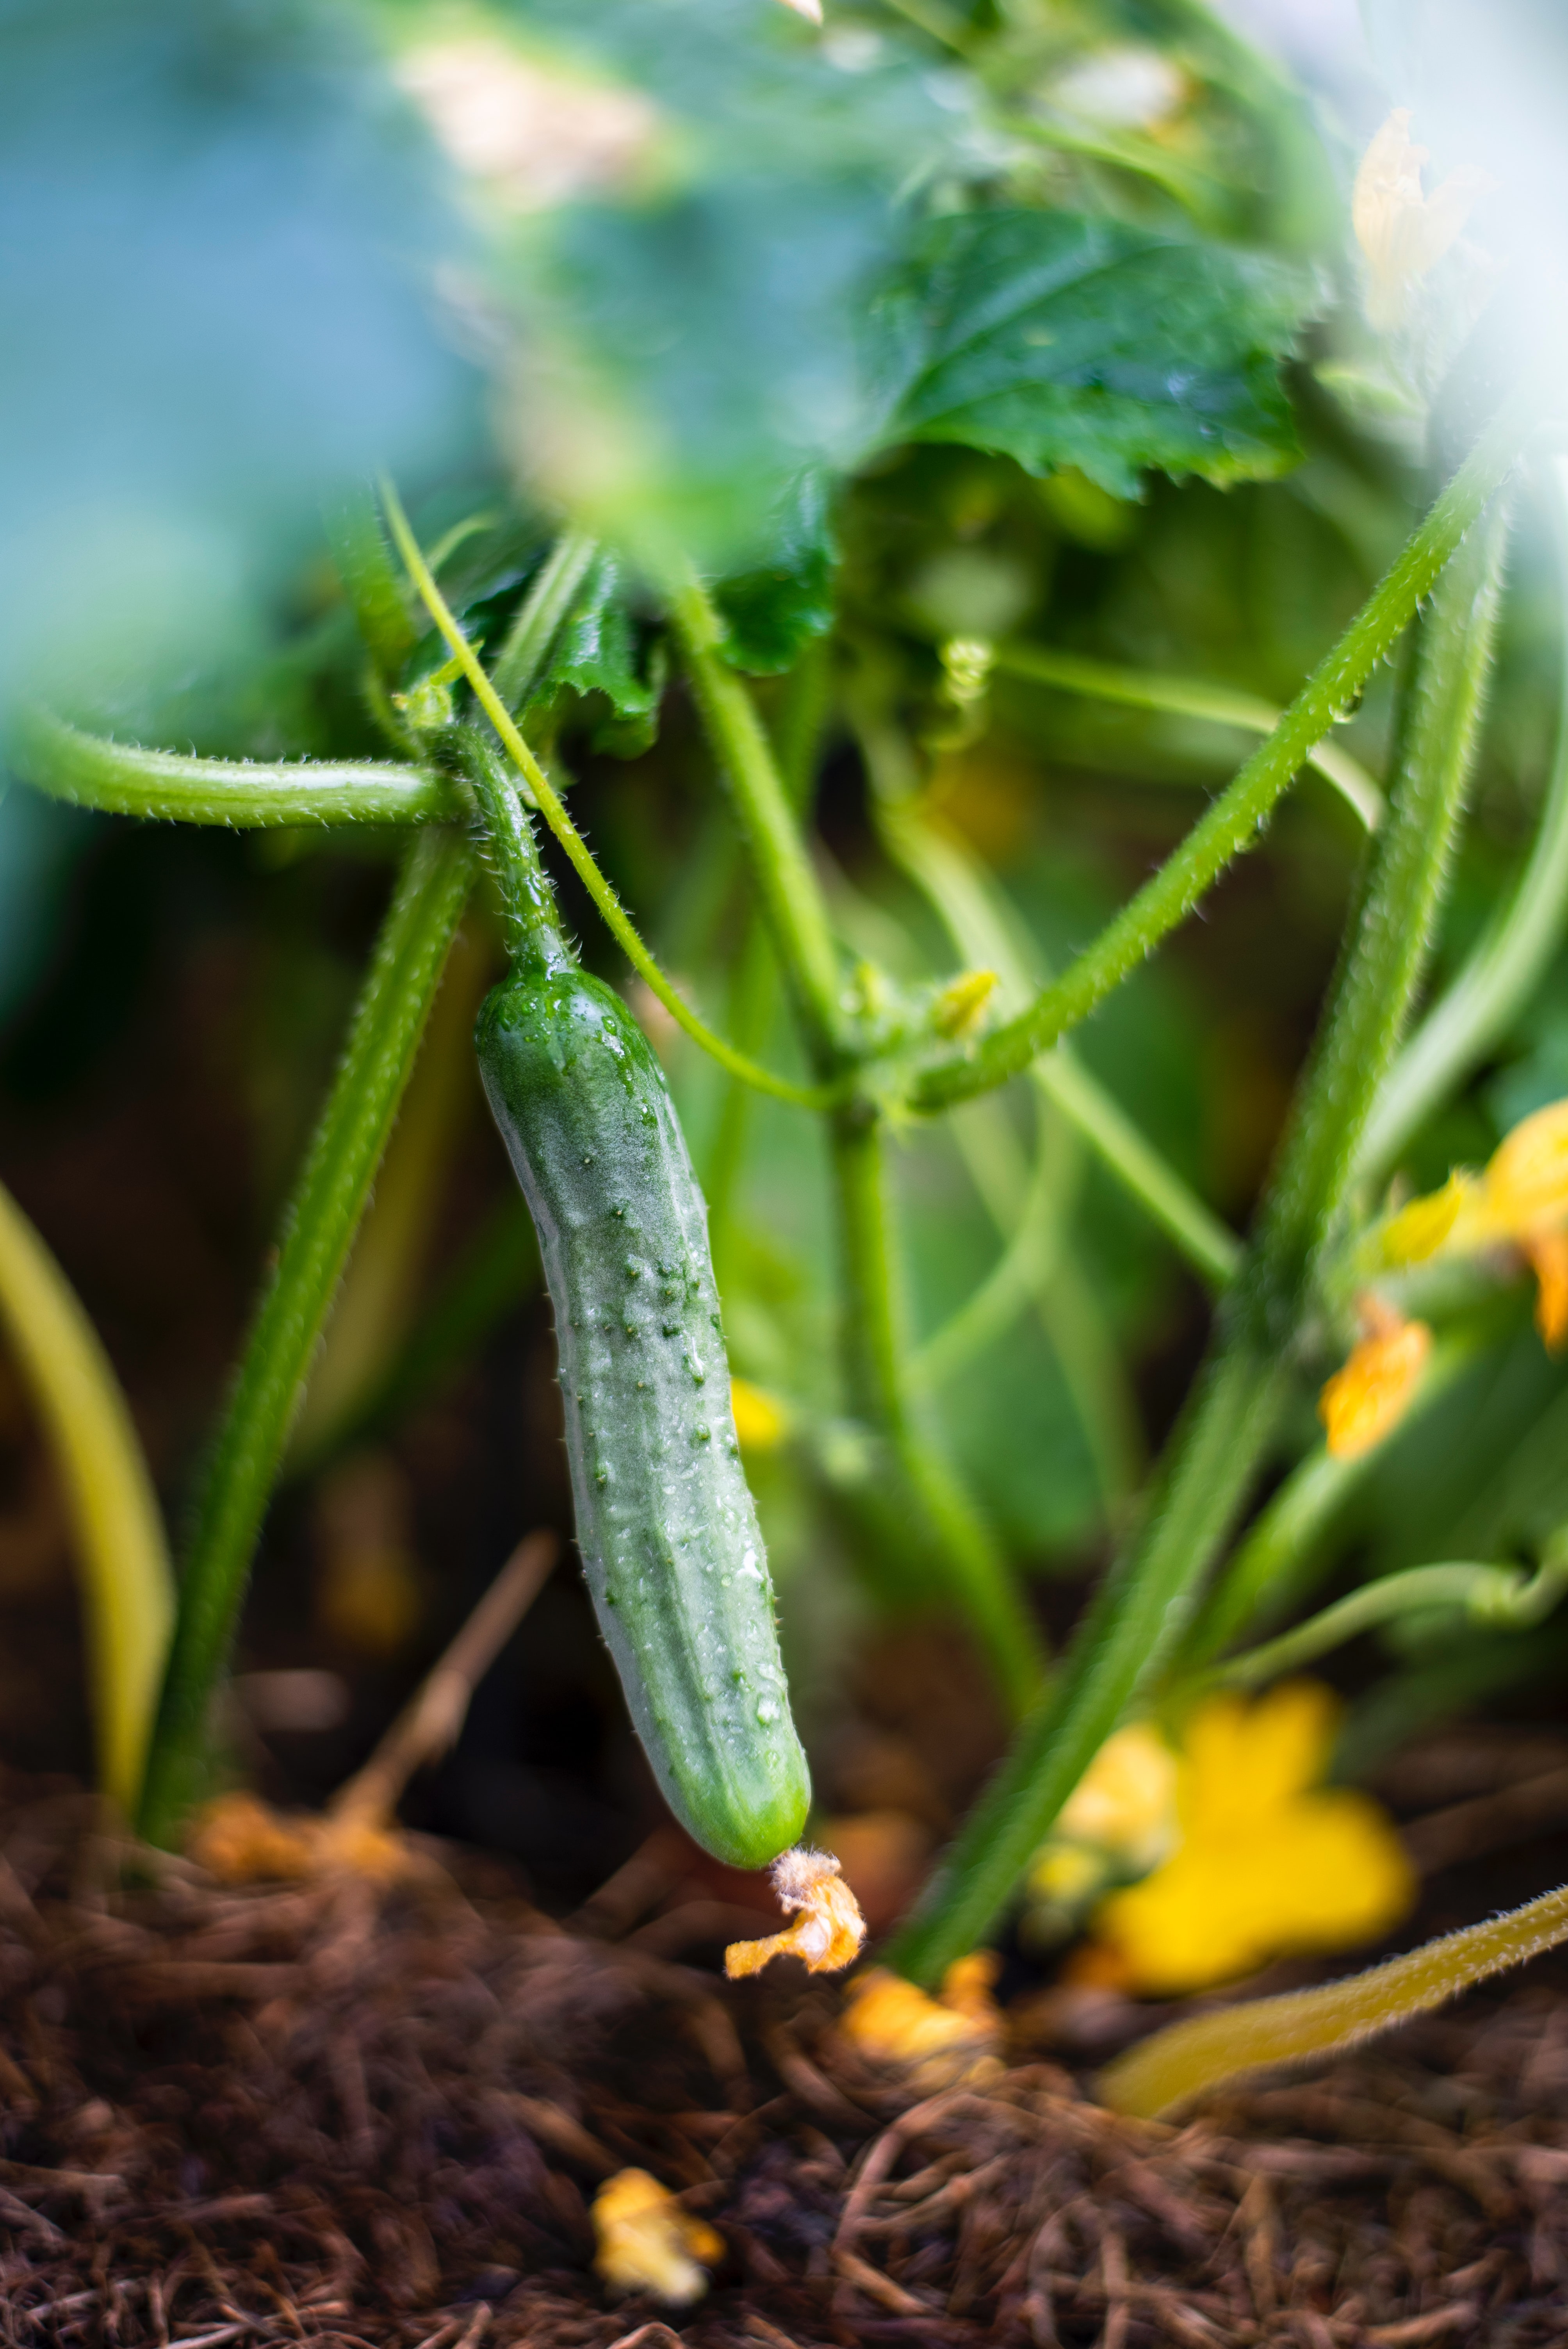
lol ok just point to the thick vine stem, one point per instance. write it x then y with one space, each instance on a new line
127 1582
1142 1608
86 771
1236 820
547 799
1390 936
787 882
875 1354
1512 954
317 1234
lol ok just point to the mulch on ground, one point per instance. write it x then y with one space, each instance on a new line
332 2114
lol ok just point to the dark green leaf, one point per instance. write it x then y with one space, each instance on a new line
1066 341
772 613
598 656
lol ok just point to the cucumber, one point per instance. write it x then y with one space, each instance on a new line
665 1522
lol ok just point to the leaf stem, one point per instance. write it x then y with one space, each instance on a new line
1500 1597
1180 2063
548 801
787 882
1236 820
318 1231
86 771
971 908
1512 953
875 1354
541 614
128 1584
1182 696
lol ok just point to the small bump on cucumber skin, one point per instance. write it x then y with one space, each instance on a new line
666 1524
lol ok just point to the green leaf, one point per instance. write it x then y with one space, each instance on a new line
772 613
598 656
1060 340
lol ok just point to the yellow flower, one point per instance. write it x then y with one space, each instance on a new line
648 2243
934 2042
1444 1220
1365 1400
1526 1180
1403 231
1521 1201
828 1929
761 1422
1271 1863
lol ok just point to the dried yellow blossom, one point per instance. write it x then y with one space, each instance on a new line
1402 231
1271 1862
956 1010
761 1422
935 2041
241 1841
1365 1400
646 2243
828 1929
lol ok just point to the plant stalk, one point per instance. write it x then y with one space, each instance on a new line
318 1231
876 1351
1202 1483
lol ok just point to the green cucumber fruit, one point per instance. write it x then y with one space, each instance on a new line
666 1524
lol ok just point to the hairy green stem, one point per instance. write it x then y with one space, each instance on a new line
317 1231
1167 2071
1142 1608
1136 1612
1500 1597
1511 956
547 799
876 1352
1236 820
1182 696
1390 936
86 771
972 909
787 883
1284 1551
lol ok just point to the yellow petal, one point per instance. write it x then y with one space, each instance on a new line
761 1422
1365 1402
1125 1800
1548 1255
1322 1872
1241 1760
1418 1230
646 2243
936 2041
1526 1180
828 1929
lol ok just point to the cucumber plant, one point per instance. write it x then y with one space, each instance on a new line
803 276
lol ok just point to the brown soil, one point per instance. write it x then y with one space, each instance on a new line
332 2115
